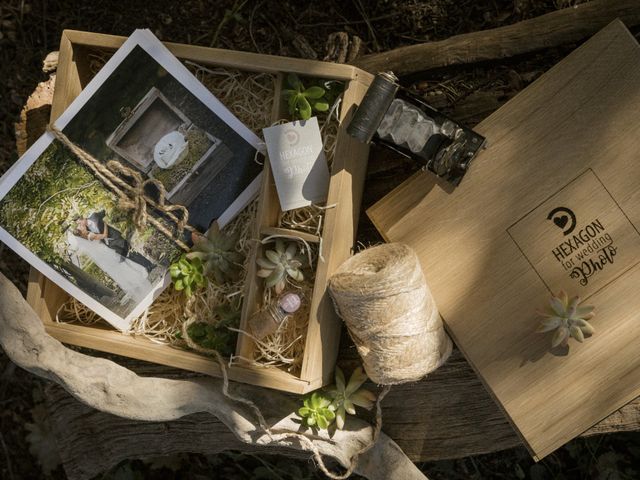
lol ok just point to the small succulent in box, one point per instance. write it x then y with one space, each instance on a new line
216 251
345 396
211 338
303 101
317 411
216 336
568 318
187 275
280 264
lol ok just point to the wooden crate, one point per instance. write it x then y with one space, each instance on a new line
338 236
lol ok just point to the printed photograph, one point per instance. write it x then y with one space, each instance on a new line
147 119
136 113
67 218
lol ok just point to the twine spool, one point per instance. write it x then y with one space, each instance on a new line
383 298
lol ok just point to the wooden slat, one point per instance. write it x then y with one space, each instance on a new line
266 216
487 247
44 296
111 341
68 84
233 59
338 240
35 287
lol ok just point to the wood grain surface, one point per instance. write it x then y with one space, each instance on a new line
483 245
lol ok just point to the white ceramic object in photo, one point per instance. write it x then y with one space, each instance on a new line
170 150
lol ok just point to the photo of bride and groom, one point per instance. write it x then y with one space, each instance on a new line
107 248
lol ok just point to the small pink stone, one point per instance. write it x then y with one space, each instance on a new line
290 302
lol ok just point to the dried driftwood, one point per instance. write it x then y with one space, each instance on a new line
110 388
568 25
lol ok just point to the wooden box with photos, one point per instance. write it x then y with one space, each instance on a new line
246 282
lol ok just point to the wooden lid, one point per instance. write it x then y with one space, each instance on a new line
552 203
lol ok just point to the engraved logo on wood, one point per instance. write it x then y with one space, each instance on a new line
562 216
579 239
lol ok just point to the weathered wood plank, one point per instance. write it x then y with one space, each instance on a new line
564 26
91 442
447 415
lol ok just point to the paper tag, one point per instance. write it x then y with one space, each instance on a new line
298 163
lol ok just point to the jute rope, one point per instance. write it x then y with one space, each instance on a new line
132 192
384 300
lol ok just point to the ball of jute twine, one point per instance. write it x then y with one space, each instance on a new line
383 298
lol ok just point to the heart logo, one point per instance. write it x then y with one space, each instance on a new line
561 221
292 137
563 218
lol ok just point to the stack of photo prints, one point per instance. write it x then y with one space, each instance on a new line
146 111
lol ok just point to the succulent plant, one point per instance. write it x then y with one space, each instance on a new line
317 411
281 263
346 395
217 252
303 101
210 337
187 274
568 318
216 336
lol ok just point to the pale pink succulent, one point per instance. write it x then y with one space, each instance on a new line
347 395
280 264
568 318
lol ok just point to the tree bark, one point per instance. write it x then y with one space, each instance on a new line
34 116
568 25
